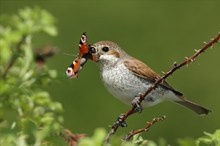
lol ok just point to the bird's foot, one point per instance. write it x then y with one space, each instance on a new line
137 103
120 122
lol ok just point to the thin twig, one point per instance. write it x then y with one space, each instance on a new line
144 129
14 57
153 86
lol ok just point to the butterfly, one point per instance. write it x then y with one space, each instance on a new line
83 56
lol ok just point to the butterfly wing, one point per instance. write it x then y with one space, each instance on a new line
83 47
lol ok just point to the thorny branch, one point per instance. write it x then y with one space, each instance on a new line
167 74
144 129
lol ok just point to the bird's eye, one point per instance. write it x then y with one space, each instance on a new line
105 49
92 50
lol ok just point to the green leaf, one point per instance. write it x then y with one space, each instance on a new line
209 139
99 136
29 130
52 31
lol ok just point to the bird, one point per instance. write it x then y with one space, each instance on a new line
126 77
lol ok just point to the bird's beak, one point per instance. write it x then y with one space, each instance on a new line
95 57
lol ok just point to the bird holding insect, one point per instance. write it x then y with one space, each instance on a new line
125 77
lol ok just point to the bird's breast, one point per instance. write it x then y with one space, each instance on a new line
124 85
121 83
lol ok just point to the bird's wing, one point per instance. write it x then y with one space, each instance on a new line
141 70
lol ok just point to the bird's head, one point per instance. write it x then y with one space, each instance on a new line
106 52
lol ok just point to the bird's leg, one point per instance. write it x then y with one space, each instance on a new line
138 109
137 103
119 121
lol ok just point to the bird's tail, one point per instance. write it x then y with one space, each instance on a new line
193 106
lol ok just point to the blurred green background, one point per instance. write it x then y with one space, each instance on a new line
156 32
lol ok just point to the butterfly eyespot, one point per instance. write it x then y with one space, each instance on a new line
92 50
105 49
69 72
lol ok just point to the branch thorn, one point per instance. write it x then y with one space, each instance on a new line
186 58
196 50
175 64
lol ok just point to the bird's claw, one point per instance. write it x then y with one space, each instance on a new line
137 103
121 122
